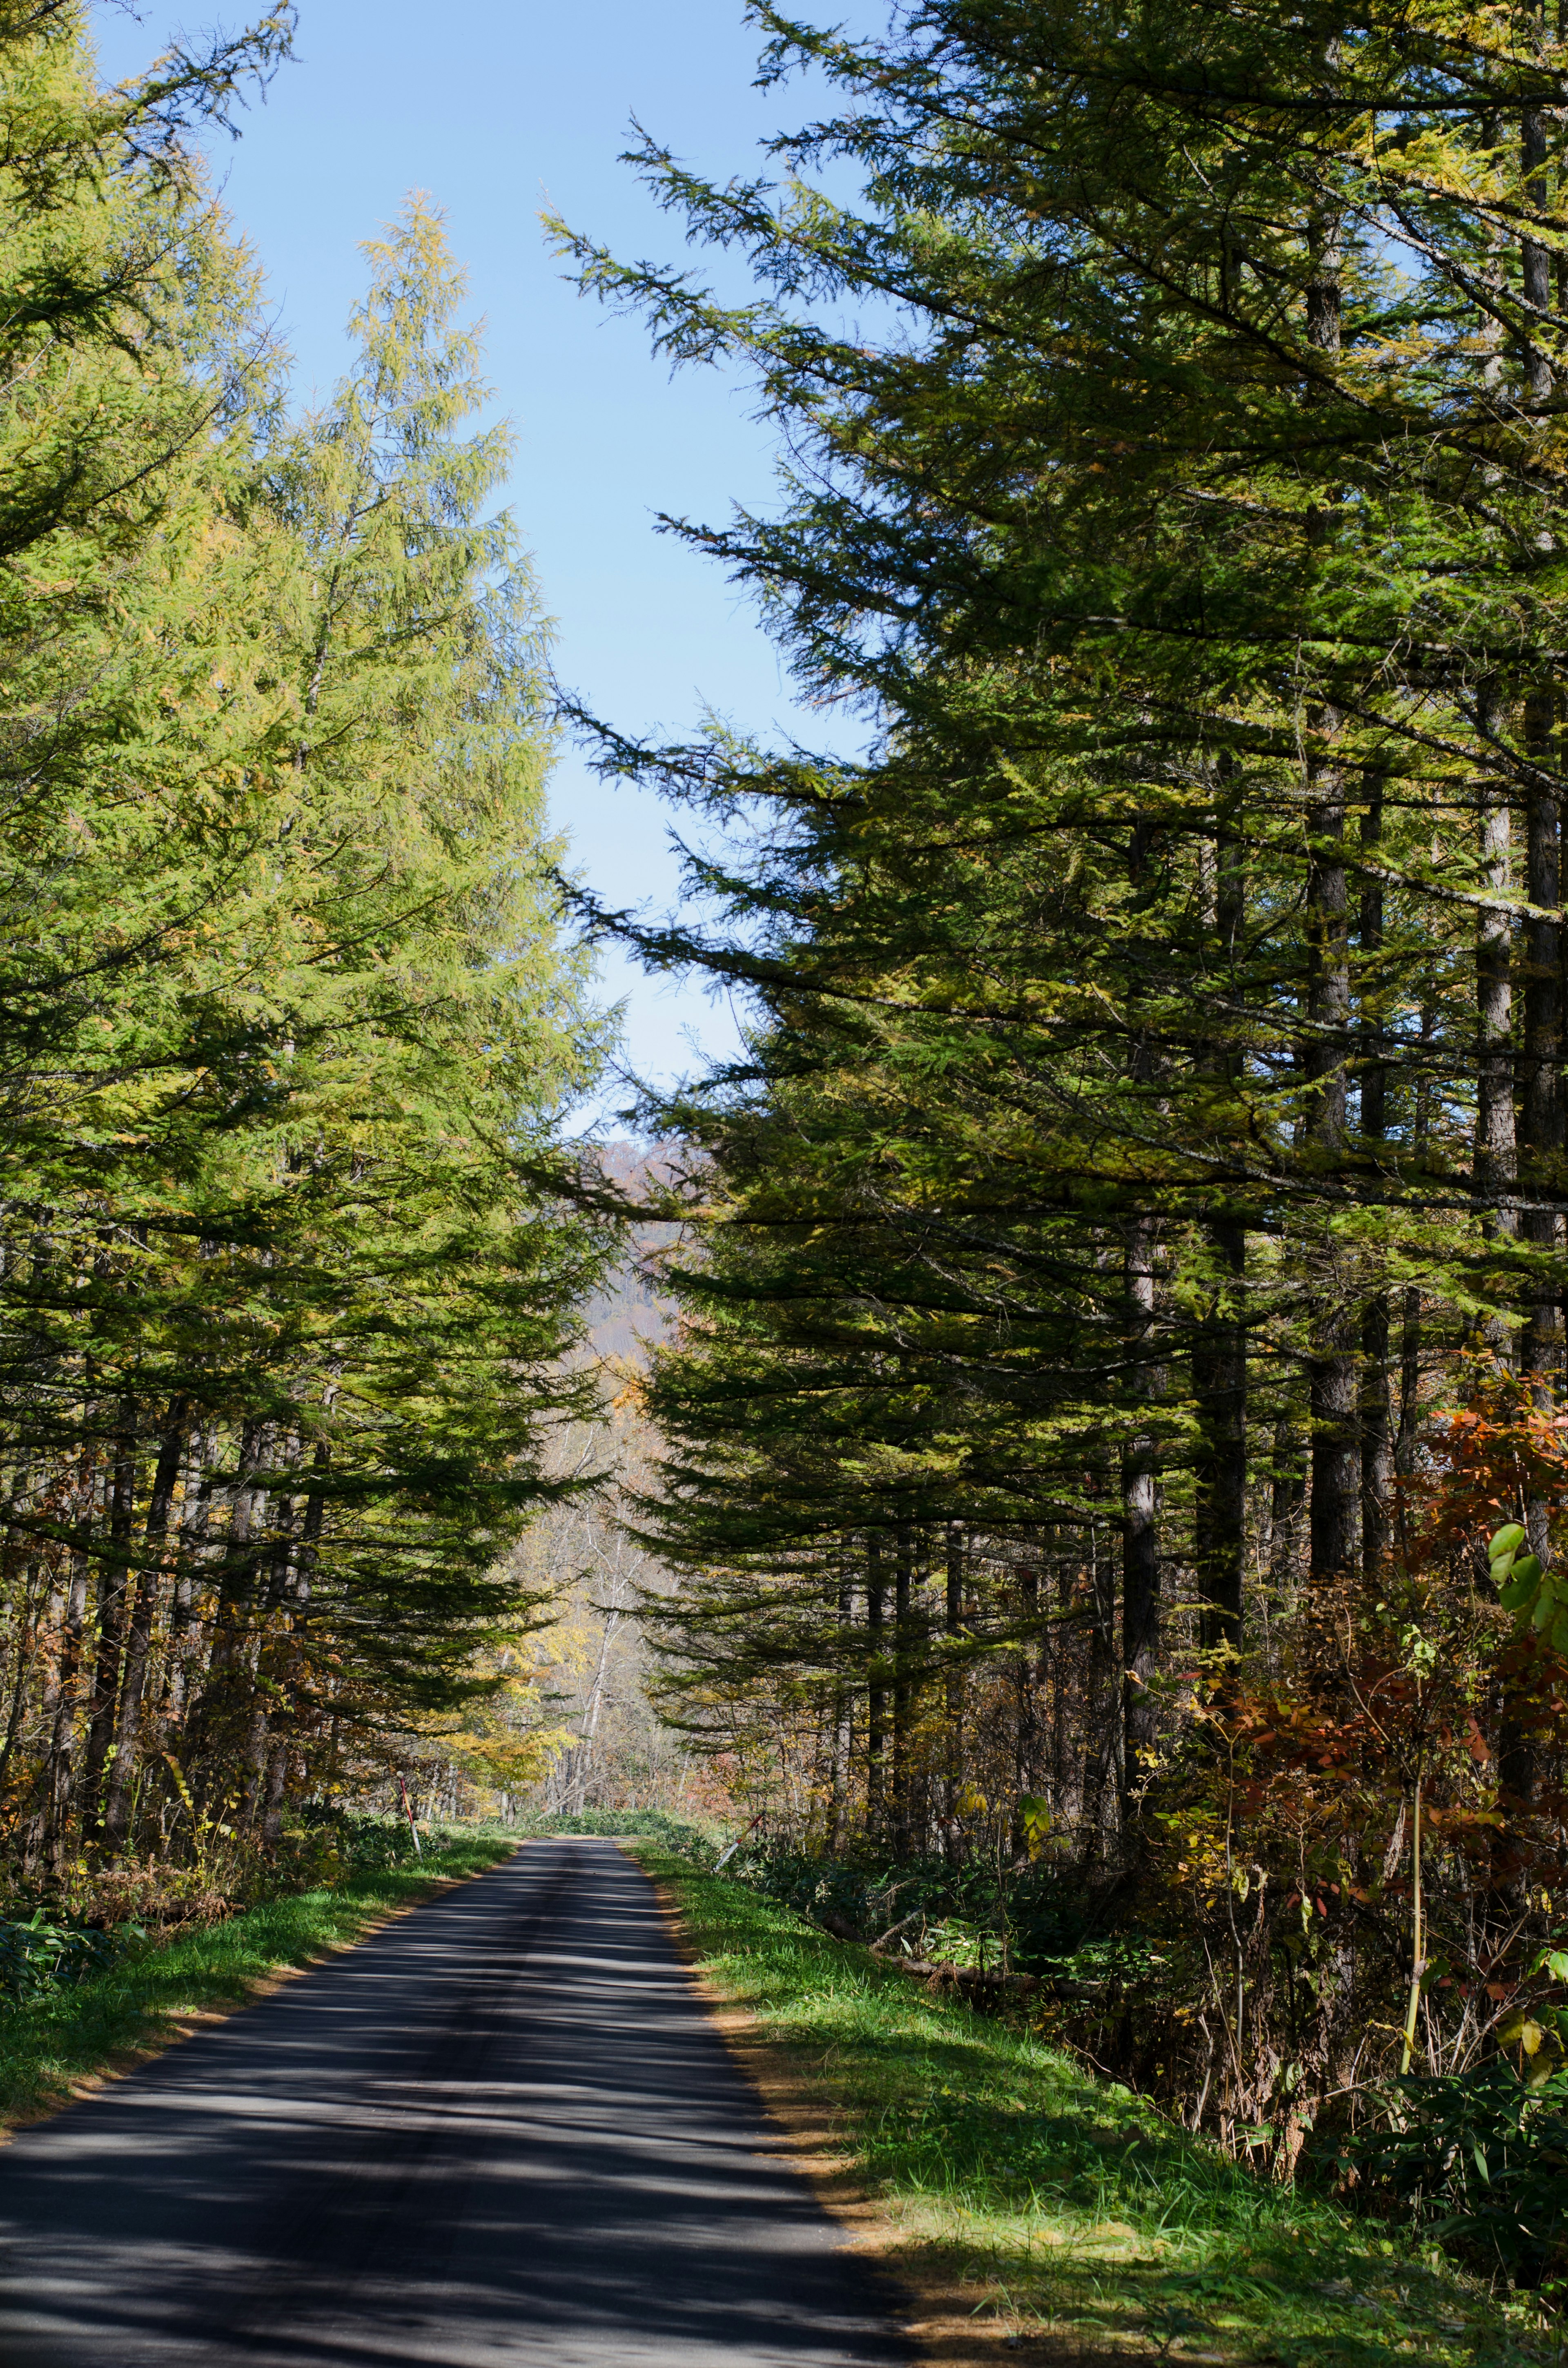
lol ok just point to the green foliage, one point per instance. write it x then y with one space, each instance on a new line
41 1953
1479 2157
1122 1276
1039 1917
1537 1598
289 1287
677 1833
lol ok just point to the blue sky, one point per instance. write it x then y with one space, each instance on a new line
497 108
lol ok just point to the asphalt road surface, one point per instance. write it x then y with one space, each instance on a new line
501 2131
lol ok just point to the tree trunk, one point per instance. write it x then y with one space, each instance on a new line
902 1690
1140 1538
953 1623
1331 1356
1496 1159
1540 1110
139 1639
1377 1442
60 1775
1219 1365
876 1696
113 1575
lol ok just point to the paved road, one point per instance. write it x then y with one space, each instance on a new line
502 2131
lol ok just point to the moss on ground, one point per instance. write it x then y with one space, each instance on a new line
50 2048
1060 2202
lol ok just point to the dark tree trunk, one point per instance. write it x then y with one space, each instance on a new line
1377 1442
139 1638
1332 1350
1219 1365
1540 1110
876 1696
954 1703
1496 1155
903 1688
1140 1538
113 1575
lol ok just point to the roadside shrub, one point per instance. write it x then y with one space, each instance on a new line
50 1950
686 1840
1036 1916
1479 2158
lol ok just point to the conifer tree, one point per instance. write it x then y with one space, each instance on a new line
1189 545
286 1287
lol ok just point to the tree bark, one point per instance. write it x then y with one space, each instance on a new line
113 1575
1540 1111
139 1638
954 1703
1140 1538
1377 1441
1331 1358
1495 1165
1218 1362
876 1698
903 1688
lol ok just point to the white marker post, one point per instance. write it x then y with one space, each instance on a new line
408 1813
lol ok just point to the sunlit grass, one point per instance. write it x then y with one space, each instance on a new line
1062 2200
50 2047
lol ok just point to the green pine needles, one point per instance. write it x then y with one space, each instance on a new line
287 1286
1127 1282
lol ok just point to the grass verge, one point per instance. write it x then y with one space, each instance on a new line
1069 2219
52 2050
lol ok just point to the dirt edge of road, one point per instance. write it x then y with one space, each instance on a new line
938 2314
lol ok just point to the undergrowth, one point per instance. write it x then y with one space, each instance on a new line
1061 2201
51 2041
677 1833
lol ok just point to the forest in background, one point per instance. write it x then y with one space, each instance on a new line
291 1301
1113 1451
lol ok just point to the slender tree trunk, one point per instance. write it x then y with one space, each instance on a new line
1496 1156
1534 258
843 1724
903 1688
139 1637
195 1516
1410 1313
954 1704
1540 1098
62 1769
113 1575
876 1696
1376 1439
1331 1344
1140 1537
1025 1726
1331 1358
1219 1360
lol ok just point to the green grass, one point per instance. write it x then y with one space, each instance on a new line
46 2049
1060 2200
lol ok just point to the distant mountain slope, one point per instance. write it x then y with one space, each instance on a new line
630 1314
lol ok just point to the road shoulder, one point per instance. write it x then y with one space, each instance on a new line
1031 2212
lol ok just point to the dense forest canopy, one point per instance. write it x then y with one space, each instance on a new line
1123 1293
288 1295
